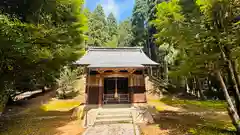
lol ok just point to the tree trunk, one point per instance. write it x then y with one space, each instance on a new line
233 78
194 90
209 84
166 71
187 85
43 89
235 67
200 89
234 64
231 109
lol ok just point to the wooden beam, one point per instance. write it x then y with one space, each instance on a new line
115 75
132 71
101 71
118 69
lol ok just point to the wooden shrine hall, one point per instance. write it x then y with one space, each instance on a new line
115 75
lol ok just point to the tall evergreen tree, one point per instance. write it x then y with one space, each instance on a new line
98 33
125 33
151 48
38 44
112 31
139 17
112 25
88 15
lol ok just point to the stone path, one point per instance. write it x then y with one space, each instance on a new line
113 121
113 129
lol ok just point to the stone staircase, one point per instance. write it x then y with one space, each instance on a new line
113 120
114 116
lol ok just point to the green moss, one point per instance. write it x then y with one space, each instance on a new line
202 124
208 104
60 105
213 129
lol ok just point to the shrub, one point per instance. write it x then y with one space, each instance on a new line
66 80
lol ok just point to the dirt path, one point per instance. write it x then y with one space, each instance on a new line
27 117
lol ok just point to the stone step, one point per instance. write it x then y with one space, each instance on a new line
115 111
113 121
114 115
117 106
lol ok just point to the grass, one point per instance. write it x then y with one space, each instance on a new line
178 124
195 104
157 104
213 128
57 105
169 122
39 121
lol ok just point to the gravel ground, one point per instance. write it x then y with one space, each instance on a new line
112 129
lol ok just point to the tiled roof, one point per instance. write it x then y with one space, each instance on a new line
115 57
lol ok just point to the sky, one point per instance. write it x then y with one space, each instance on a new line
122 9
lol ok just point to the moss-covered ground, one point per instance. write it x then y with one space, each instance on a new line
189 117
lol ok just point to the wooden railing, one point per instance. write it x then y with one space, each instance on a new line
110 98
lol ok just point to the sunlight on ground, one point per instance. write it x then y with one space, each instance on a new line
160 106
174 118
60 105
208 104
71 128
157 106
54 117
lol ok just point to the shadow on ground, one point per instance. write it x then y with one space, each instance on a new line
26 117
181 124
35 122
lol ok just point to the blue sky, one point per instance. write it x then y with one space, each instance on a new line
122 9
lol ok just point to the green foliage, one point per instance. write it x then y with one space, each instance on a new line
107 32
210 130
139 17
125 33
4 95
204 38
112 43
112 25
66 81
98 31
112 31
34 48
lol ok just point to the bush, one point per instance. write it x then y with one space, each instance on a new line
65 82
5 93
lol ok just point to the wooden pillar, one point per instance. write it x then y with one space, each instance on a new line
131 85
100 96
87 85
101 88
